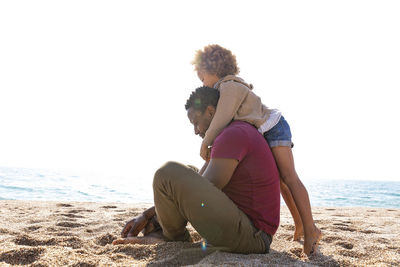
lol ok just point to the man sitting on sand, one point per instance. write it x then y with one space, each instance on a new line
233 202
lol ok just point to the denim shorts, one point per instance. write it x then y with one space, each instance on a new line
279 135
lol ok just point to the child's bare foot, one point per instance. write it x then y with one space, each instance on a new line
311 243
298 233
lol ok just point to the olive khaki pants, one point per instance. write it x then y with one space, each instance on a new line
182 195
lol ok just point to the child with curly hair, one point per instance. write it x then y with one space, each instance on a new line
216 67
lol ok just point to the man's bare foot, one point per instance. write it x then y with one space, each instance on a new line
311 243
298 233
152 238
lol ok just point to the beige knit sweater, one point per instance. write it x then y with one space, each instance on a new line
238 102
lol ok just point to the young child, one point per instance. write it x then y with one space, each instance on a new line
216 67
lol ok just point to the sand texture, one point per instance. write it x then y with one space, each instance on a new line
36 233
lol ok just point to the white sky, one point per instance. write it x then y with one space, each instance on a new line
100 86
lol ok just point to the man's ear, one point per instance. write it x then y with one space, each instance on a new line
210 111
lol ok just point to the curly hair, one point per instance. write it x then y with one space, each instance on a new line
201 98
217 60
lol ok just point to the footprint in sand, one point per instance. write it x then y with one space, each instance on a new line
340 224
73 242
35 221
71 215
346 228
352 254
383 241
345 245
330 209
368 232
105 239
21 256
26 240
51 229
32 228
297 252
4 231
394 248
64 205
63 234
109 207
80 210
81 251
330 238
288 227
69 224
339 215
287 237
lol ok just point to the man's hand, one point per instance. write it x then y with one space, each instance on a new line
205 152
134 226
152 226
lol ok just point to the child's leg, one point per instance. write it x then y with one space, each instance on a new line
288 198
284 160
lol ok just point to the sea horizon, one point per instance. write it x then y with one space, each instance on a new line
51 185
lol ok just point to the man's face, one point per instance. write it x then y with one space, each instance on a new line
201 121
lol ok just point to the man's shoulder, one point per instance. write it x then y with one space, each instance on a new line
233 142
241 126
238 128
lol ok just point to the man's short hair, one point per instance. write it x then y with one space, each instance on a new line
201 98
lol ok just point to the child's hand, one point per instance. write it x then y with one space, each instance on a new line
205 152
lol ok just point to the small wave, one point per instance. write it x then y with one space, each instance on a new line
393 194
83 193
16 188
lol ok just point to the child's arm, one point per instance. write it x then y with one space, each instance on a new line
231 97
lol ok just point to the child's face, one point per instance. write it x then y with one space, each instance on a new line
207 79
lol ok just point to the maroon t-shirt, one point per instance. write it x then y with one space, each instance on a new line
254 186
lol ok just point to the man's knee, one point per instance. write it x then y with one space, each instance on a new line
166 171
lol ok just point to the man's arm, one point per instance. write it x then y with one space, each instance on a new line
219 171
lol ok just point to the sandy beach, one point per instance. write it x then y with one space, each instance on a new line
43 233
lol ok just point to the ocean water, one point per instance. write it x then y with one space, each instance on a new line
31 184
35 184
